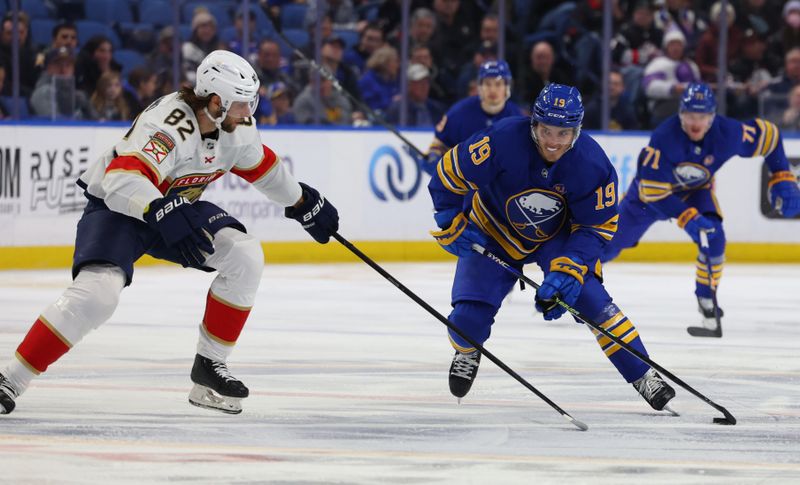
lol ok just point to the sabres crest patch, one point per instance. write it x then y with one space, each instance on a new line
537 215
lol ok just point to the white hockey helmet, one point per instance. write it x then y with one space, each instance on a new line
230 77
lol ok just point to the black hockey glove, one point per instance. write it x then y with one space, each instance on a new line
181 227
316 214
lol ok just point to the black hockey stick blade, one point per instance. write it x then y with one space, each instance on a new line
705 332
499 363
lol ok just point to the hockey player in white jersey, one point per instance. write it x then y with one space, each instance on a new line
144 199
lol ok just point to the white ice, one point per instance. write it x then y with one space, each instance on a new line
348 382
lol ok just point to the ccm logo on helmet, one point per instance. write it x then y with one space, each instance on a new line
173 204
314 210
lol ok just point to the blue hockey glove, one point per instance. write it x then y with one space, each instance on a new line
784 193
458 234
181 227
316 214
426 162
692 222
565 282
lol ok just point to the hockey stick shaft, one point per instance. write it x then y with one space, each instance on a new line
355 101
480 249
499 363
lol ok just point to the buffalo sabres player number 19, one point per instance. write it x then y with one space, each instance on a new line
675 180
538 191
143 198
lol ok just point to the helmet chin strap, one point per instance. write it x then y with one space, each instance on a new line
217 121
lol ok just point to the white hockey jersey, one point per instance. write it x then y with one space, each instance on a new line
164 153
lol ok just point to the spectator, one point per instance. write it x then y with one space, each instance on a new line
236 44
204 40
751 75
380 82
708 46
336 109
422 111
422 28
28 72
371 39
142 84
638 40
331 54
94 59
421 54
453 32
622 115
64 35
469 71
790 118
278 94
676 15
541 72
759 15
341 12
56 95
788 36
107 102
161 60
666 77
269 67
488 33
790 76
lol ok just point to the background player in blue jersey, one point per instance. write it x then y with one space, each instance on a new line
675 179
473 113
536 190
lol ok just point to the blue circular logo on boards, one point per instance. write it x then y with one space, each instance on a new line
386 169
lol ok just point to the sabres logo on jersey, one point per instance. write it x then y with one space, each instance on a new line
537 214
690 175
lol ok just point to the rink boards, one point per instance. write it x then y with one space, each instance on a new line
381 195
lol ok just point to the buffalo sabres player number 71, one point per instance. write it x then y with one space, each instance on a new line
143 198
536 191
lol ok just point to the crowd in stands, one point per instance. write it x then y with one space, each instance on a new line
108 59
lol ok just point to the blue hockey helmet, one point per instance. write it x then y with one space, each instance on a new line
698 98
558 105
494 69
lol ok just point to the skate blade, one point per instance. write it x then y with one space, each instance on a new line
671 411
205 398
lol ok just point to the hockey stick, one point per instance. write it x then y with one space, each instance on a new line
728 419
580 425
703 331
361 105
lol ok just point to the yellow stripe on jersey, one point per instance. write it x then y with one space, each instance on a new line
459 173
438 147
653 190
781 176
768 139
450 174
620 327
481 216
605 230
448 183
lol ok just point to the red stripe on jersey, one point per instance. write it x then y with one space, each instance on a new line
267 162
223 321
42 346
133 164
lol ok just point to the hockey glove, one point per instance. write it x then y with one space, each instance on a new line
692 222
784 194
458 234
316 214
181 227
563 282
426 162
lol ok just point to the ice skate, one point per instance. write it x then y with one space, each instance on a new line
7 396
706 308
655 390
462 372
215 387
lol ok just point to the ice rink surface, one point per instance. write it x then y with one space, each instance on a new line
348 381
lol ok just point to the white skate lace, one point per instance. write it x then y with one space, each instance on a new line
463 365
222 370
650 385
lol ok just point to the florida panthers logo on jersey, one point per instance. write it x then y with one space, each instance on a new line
690 176
192 186
537 214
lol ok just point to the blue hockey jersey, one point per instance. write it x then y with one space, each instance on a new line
463 119
521 201
672 166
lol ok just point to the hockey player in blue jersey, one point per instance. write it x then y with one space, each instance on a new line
473 113
533 190
675 180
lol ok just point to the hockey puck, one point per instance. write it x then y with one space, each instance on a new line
722 421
